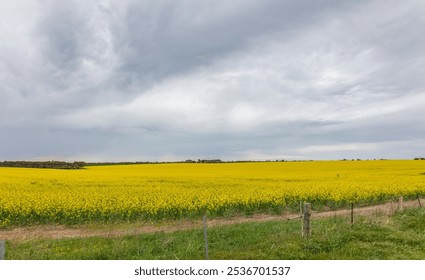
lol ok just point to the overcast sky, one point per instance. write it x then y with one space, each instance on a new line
120 80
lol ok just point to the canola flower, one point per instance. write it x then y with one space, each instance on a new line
172 191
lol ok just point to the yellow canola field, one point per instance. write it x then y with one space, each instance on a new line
156 191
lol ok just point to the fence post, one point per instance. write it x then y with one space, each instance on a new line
2 249
204 222
306 219
419 200
400 203
301 216
352 214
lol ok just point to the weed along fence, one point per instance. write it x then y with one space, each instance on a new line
309 216
311 220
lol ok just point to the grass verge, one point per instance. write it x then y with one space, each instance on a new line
398 236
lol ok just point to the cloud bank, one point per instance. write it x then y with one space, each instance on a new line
170 80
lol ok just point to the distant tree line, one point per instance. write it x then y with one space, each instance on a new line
209 161
125 163
204 161
44 164
419 158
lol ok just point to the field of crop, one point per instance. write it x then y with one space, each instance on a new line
119 193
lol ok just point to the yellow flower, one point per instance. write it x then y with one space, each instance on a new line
158 191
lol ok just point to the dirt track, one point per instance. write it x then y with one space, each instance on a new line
55 232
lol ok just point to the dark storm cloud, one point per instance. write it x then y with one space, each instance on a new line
119 80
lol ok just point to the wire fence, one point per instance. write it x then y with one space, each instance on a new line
314 219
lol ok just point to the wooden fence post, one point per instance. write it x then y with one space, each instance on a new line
400 203
301 216
306 219
204 222
2 249
419 200
352 214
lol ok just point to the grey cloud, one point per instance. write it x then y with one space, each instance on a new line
168 38
234 79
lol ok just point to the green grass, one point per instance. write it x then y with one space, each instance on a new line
399 236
